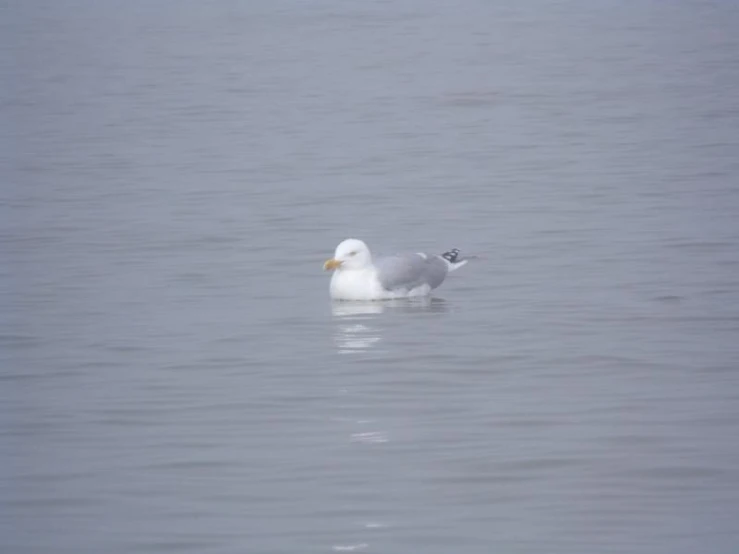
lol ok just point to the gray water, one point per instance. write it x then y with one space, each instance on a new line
174 377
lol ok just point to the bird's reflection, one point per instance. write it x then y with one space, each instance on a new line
357 327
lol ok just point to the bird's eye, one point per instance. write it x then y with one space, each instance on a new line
353 253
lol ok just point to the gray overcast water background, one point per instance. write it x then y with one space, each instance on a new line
174 377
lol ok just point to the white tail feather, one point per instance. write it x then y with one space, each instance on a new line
456 265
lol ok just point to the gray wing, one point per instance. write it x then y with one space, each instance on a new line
407 271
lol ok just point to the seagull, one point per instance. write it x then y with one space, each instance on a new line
356 277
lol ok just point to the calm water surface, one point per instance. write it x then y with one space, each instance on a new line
173 376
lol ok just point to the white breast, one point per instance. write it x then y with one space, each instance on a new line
362 284
358 284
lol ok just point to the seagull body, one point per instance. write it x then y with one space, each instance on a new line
356 277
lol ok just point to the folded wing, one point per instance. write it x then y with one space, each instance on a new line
408 271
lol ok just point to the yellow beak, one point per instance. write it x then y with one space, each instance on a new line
333 263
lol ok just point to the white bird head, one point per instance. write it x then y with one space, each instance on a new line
350 254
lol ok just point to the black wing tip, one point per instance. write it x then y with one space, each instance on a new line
451 255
